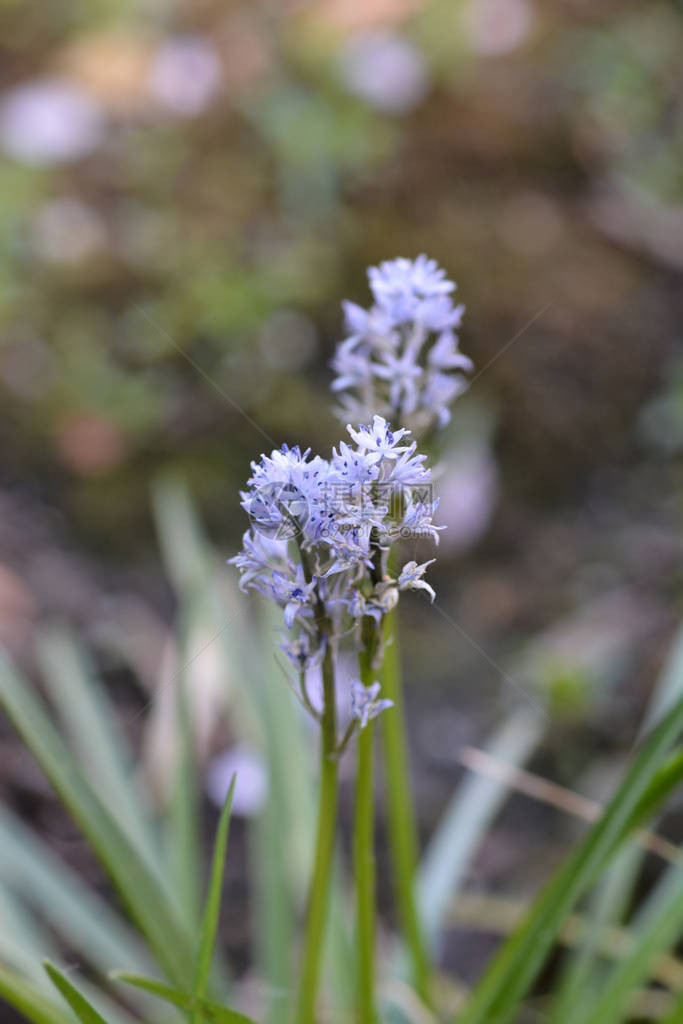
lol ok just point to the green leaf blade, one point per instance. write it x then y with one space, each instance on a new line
516 966
27 1000
211 1011
213 899
138 886
85 1011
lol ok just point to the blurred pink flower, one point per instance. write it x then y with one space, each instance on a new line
498 26
90 444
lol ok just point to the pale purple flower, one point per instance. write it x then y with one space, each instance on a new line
378 440
49 121
365 702
410 578
408 469
444 354
330 571
302 650
401 284
293 594
385 70
185 75
251 780
417 521
353 466
401 359
468 489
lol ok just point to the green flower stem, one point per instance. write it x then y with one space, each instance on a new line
363 842
364 866
324 850
401 812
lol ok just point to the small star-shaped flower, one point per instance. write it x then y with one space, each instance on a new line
365 704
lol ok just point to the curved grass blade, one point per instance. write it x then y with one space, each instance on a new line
212 907
183 820
493 914
24 942
31 871
583 974
669 684
89 722
86 1013
577 993
215 1013
517 964
464 822
676 1015
658 929
27 1000
138 886
582 977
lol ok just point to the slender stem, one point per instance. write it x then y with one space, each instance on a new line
363 843
324 850
348 733
401 811
364 867
305 698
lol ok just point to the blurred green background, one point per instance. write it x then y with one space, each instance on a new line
187 192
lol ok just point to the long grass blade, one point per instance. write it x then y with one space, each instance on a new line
138 887
517 964
183 817
23 941
85 921
205 1008
676 1014
282 855
85 1011
28 1000
207 936
582 977
89 720
472 808
495 914
658 927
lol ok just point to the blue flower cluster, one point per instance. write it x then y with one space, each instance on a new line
321 529
401 357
